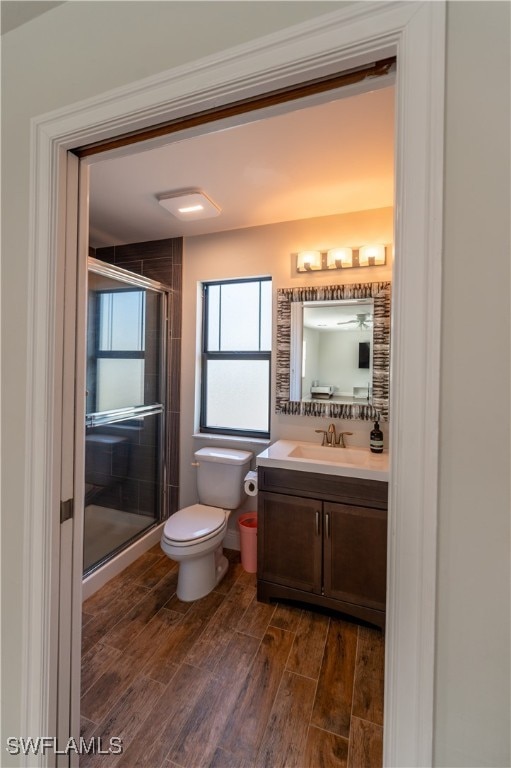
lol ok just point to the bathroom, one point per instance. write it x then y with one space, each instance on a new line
448 496
265 250
239 245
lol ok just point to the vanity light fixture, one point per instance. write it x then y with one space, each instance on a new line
189 204
371 254
341 258
337 258
308 260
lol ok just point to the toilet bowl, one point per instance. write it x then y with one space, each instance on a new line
193 538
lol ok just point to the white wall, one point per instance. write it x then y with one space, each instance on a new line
338 355
258 251
473 644
82 49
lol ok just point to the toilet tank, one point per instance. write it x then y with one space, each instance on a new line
220 476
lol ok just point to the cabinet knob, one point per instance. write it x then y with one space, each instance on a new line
317 522
327 524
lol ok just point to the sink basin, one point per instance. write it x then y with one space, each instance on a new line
323 453
306 456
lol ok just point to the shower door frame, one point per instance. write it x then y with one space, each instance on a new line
115 272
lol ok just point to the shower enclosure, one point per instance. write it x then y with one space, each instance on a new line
125 410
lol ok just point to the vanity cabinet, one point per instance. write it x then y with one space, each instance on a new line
322 540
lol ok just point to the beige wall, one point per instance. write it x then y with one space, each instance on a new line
259 251
81 49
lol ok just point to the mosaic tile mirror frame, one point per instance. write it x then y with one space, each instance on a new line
379 407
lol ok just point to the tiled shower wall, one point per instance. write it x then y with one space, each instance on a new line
161 260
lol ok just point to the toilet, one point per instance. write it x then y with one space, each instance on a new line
193 536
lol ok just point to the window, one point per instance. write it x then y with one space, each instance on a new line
236 357
120 349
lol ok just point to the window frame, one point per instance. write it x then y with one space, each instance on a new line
238 355
102 354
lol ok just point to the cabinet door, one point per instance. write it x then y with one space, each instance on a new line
289 541
355 564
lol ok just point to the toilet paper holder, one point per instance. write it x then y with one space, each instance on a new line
250 483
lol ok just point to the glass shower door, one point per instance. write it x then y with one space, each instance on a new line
125 411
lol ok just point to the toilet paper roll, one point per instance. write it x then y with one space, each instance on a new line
251 483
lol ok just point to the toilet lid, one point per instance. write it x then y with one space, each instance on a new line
195 522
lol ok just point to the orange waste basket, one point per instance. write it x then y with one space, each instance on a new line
248 541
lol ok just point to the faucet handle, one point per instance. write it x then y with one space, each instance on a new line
340 440
322 432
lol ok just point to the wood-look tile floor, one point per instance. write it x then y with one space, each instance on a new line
225 682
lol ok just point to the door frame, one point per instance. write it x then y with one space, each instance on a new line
353 36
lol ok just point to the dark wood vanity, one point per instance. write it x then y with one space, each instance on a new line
322 540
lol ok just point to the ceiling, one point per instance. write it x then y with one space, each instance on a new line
314 161
14 13
332 158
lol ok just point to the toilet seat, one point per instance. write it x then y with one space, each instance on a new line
193 525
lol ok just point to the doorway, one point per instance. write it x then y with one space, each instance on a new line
412 556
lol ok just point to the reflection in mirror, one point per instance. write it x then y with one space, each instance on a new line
333 351
332 345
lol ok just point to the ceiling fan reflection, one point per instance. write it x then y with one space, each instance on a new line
361 320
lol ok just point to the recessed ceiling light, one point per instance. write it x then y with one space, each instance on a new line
189 204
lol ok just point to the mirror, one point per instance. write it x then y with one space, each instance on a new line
333 351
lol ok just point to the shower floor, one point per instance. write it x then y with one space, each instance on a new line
106 529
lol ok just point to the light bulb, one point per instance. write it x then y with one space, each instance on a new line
308 260
339 257
375 253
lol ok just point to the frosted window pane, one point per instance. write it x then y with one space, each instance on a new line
122 324
119 383
238 394
266 316
240 317
213 340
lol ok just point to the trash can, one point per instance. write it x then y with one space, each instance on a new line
248 541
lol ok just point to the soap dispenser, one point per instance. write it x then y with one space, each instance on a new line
376 441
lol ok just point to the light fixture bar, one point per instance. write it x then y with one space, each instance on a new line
341 258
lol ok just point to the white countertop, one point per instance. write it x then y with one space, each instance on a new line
305 456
